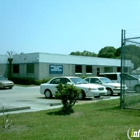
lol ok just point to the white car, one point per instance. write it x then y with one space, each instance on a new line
88 90
112 88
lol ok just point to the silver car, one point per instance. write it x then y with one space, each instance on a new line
112 88
5 83
87 90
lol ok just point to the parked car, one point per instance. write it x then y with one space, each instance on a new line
87 90
132 82
112 88
5 83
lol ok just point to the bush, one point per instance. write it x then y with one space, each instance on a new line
38 82
23 80
69 95
28 81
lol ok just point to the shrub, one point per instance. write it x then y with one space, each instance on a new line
23 80
38 82
69 95
28 80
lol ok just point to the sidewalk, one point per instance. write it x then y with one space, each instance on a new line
22 109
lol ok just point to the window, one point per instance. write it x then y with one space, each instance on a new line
30 68
111 76
55 81
95 80
98 71
87 79
16 68
118 69
64 80
88 69
78 69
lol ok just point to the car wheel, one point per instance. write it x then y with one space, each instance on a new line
10 87
48 94
82 95
137 89
109 91
96 96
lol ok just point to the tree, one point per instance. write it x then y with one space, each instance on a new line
84 53
107 52
69 95
132 52
10 59
118 53
75 53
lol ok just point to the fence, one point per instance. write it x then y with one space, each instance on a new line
130 74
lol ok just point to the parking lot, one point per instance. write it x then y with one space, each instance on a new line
27 99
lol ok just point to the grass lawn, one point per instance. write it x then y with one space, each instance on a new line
103 120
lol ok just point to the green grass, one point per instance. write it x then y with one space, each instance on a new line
132 101
102 120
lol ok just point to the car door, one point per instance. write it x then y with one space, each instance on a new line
95 81
130 81
87 79
64 80
53 85
57 81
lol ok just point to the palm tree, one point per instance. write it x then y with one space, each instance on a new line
10 59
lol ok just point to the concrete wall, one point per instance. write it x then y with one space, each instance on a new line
43 70
42 62
4 65
4 70
23 71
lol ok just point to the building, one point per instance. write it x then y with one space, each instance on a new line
45 65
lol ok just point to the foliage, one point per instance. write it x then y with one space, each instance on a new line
84 53
118 53
132 52
107 52
38 82
69 95
10 54
23 80
28 80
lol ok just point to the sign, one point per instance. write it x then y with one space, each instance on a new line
131 133
56 69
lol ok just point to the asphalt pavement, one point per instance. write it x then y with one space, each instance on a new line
28 99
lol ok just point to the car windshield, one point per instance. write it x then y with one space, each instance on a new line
105 80
78 81
2 78
137 76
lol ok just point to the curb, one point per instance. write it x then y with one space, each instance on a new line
55 104
13 108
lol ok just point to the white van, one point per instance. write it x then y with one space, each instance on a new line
132 82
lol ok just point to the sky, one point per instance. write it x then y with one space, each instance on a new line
65 26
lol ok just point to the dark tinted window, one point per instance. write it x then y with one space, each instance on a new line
128 77
16 68
64 80
30 68
95 80
88 69
87 79
55 81
110 76
78 69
